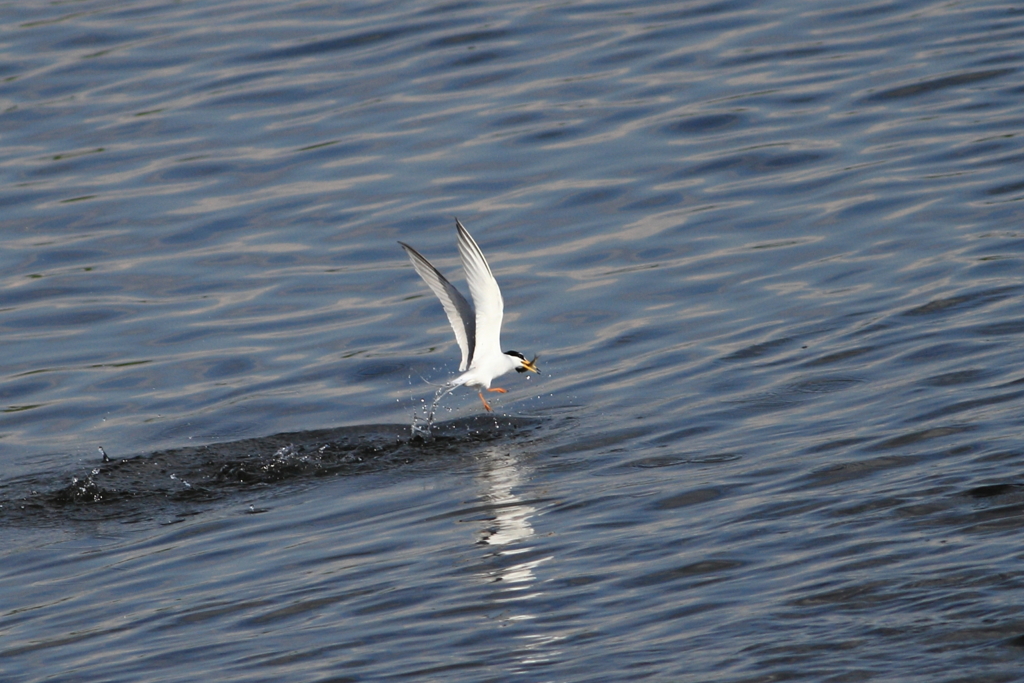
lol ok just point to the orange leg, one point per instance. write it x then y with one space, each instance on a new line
487 406
483 400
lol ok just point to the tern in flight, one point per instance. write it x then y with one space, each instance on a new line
479 333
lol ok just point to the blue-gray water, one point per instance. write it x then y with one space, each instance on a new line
770 255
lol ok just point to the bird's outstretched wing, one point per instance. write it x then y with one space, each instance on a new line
460 313
486 296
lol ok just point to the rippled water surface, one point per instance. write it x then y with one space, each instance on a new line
770 255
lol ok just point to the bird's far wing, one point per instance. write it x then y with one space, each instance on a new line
486 295
460 313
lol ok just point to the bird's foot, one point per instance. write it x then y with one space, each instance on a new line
487 406
499 390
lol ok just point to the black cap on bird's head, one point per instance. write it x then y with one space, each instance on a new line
527 365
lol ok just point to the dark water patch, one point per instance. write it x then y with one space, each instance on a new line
764 402
12 391
781 52
518 119
225 82
755 162
688 458
921 436
557 133
839 356
934 85
194 235
82 316
264 96
13 297
1001 329
853 470
371 369
702 124
836 444
344 43
167 482
689 498
229 367
943 351
677 436
656 201
958 407
963 302
759 350
959 377
21 408
331 149
993 490
51 258
795 393
608 438
992 514
591 197
1013 383
621 56
470 37
694 574
191 170
1008 188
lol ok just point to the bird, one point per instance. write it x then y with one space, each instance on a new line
477 327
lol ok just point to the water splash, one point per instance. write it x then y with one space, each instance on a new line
421 425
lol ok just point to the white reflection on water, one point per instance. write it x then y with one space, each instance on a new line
504 472
510 526
507 533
